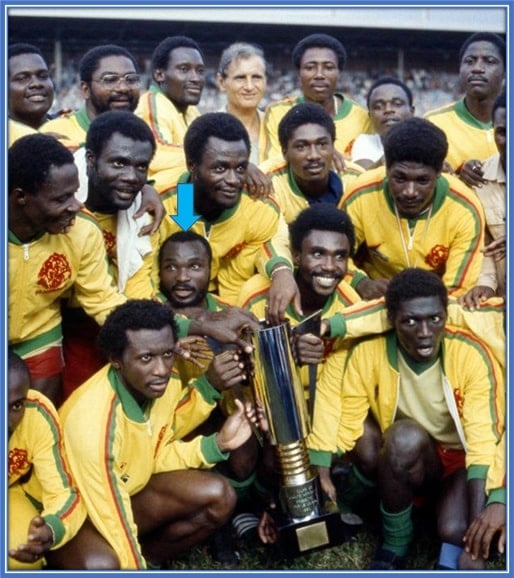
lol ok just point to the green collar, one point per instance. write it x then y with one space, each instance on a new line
463 113
130 406
442 189
393 347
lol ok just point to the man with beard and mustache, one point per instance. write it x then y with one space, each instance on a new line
31 90
420 411
109 80
468 122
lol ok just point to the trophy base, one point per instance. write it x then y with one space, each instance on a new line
323 531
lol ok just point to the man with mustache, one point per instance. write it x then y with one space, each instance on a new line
420 410
468 122
109 80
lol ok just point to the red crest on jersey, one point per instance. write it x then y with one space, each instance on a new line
54 273
110 243
18 461
437 257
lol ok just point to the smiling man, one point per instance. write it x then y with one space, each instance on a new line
217 149
109 80
31 90
410 214
421 410
53 250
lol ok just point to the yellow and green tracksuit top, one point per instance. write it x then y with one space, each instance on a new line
468 138
169 127
44 271
236 238
71 128
114 446
447 239
473 385
38 465
351 120
287 193
16 129
254 295
143 284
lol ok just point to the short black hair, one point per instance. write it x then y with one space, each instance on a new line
319 41
220 125
186 237
304 113
89 62
161 53
133 315
23 48
412 283
484 37
30 159
321 217
15 362
390 80
416 140
500 102
123 122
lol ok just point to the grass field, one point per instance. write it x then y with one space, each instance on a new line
352 555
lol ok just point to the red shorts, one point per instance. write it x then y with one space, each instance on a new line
47 363
452 460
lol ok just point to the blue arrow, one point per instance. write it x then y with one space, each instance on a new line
185 217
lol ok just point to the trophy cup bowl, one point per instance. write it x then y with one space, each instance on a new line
303 523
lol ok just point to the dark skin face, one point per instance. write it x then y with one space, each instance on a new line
419 325
31 90
309 153
388 105
118 173
145 365
482 71
319 74
184 77
19 383
220 177
52 209
184 274
412 186
322 263
120 97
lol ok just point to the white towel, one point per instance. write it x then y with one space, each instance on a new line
131 249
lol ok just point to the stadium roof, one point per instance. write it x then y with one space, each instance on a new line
489 17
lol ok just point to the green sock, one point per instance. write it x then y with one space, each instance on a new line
397 530
356 487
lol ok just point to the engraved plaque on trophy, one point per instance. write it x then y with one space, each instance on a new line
303 522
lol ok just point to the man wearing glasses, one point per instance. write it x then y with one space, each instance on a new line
109 81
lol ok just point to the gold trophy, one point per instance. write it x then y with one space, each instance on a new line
303 521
